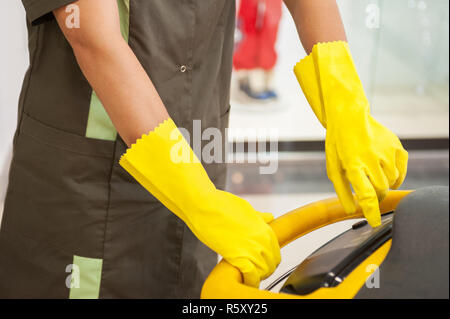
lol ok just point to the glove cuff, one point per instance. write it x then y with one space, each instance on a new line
330 82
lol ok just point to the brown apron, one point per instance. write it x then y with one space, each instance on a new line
75 224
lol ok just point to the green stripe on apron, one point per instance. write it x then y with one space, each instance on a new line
85 278
99 124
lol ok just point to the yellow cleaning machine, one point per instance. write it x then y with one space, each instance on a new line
409 252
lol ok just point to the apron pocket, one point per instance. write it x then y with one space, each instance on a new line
58 191
64 140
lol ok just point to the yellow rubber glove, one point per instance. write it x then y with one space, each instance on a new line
164 163
359 150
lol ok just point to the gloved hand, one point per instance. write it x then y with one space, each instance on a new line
164 163
359 150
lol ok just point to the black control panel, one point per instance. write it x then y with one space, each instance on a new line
330 264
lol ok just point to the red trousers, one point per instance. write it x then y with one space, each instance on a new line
258 21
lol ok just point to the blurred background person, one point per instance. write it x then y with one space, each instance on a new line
255 53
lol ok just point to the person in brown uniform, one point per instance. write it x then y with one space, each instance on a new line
102 75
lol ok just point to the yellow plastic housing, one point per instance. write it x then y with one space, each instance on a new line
225 281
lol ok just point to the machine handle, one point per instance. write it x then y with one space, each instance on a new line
225 281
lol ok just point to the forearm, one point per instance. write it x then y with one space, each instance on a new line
112 69
316 21
123 86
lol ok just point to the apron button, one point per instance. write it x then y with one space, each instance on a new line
183 68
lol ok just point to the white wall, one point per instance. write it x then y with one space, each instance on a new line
13 65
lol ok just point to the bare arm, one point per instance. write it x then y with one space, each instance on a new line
113 70
316 21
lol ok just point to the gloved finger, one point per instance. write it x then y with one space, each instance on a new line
344 193
401 161
262 261
366 195
391 172
268 217
382 194
271 257
379 181
276 252
250 274
340 183
251 278
270 263
267 259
